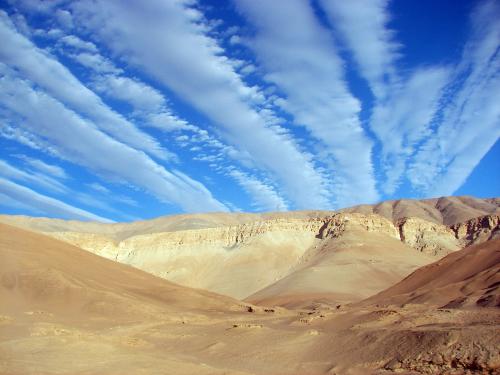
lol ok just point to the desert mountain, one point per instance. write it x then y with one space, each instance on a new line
296 258
68 311
444 210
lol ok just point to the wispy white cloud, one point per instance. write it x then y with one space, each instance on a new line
38 6
264 196
99 188
7 201
47 72
40 177
145 34
95 62
23 137
404 105
112 73
363 27
148 103
403 119
107 194
64 18
37 202
470 123
47 169
8 171
141 96
298 55
78 44
80 142
21 24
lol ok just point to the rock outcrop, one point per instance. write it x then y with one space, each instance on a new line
428 237
337 224
478 230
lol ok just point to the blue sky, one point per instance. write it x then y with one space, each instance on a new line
123 110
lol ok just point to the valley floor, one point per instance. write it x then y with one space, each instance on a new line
413 339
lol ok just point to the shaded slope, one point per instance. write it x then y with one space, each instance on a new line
467 277
38 272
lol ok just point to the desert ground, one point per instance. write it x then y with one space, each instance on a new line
404 287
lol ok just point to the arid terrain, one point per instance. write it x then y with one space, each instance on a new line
400 287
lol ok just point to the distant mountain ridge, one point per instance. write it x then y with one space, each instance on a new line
444 210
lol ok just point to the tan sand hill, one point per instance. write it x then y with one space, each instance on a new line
467 277
68 311
38 272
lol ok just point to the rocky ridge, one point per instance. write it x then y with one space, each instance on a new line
420 234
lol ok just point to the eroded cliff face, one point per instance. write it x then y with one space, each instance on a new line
337 224
227 237
428 237
439 240
478 230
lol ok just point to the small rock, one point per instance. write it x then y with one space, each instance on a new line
393 364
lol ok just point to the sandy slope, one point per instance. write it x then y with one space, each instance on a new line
467 277
38 272
349 268
67 311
